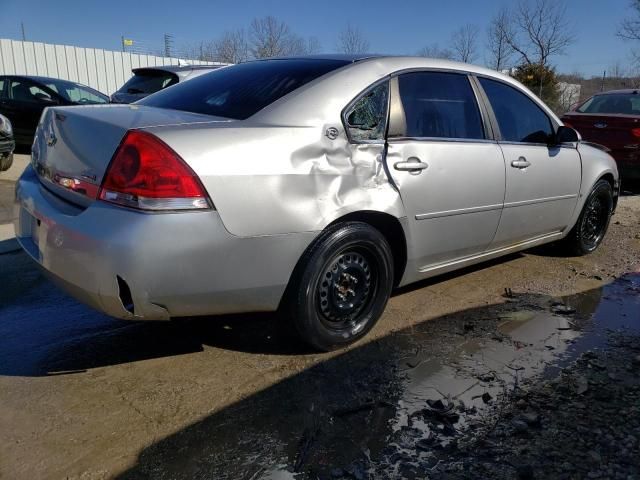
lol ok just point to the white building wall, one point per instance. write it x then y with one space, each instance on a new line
104 70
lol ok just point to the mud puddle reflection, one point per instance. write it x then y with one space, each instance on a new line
390 408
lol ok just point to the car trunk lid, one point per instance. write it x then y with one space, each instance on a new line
73 146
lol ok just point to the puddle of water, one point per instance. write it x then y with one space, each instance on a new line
530 342
376 409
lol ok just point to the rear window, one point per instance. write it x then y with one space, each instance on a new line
149 81
621 103
242 90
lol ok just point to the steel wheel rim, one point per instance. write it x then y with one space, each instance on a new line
346 290
594 221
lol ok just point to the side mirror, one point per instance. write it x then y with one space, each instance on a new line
567 135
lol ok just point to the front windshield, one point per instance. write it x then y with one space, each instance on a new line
612 103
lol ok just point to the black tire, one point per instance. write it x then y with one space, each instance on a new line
5 162
592 224
341 286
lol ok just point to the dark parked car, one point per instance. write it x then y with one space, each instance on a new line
612 119
148 80
23 98
6 144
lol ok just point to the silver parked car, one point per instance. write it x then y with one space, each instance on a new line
311 185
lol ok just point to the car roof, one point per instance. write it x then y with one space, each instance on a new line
632 91
41 79
178 68
359 73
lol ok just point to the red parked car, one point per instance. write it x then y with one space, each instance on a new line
612 119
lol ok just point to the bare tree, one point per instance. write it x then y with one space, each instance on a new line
232 47
313 46
630 28
464 43
616 70
497 41
269 37
202 51
351 40
538 30
434 51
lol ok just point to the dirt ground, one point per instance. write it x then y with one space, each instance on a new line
85 396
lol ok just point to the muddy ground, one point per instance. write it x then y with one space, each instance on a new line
460 379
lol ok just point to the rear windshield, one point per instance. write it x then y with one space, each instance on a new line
149 81
242 90
621 103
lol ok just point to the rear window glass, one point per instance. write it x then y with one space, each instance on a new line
149 82
242 90
621 103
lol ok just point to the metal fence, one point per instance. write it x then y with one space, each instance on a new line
104 70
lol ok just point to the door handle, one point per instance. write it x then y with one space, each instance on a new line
521 163
413 165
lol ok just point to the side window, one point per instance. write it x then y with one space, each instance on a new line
519 118
440 105
367 118
24 91
2 83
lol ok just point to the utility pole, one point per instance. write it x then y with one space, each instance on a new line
24 38
604 74
168 43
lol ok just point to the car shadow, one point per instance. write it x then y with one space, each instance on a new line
43 331
338 416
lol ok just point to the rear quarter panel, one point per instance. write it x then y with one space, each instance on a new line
277 180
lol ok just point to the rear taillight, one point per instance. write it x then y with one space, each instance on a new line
146 173
635 132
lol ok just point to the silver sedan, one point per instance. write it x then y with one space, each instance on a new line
313 186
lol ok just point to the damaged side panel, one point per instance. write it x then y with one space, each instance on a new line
292 179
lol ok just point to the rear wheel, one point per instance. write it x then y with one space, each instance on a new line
5 162
591 227
342 286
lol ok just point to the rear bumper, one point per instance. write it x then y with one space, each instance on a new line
134 265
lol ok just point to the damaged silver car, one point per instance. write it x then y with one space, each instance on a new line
312 185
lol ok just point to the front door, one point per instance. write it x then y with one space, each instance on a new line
543 179
450 176
24 103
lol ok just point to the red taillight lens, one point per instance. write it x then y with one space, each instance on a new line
635 132
146 173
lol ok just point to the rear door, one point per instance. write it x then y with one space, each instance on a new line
450 175
542 179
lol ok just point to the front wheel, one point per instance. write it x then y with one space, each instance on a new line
342 286
5 162
592 224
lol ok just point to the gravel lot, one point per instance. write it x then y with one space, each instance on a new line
458 380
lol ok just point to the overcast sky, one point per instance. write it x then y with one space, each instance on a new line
399 27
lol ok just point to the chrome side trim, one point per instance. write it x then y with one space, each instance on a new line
539 200
460 262
460 211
